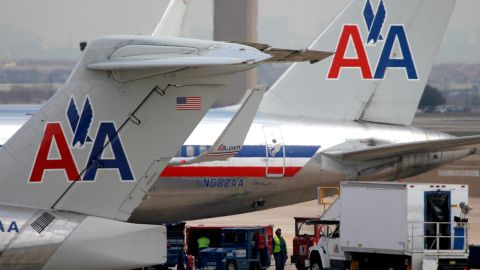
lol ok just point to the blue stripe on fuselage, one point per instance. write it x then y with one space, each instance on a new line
250 151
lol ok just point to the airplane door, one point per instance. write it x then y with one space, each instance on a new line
275 152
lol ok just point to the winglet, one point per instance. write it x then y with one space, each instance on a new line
172 21
230 142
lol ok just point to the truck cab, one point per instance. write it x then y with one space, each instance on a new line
307 234
327 252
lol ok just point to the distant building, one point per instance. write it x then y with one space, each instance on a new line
236 20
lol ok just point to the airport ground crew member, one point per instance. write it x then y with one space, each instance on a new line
203 243
183 260
279 250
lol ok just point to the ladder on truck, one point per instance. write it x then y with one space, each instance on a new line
328 197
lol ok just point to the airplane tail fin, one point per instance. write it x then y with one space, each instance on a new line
102 140
173 19
385 50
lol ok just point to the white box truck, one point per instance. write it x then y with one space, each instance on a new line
389 225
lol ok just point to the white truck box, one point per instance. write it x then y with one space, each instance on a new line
388 217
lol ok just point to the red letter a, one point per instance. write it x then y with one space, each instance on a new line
340 61
53 131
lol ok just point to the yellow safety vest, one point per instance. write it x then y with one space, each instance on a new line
278 245
203 242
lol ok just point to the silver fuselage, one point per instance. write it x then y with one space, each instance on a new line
255 180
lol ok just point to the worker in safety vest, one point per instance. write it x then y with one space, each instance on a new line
203 243
279 250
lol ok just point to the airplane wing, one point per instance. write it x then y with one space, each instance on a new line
288 55
173 19
393 150
230 142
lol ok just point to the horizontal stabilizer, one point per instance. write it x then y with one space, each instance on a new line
289 55
393 150
174 62
147 57
188 58
230 142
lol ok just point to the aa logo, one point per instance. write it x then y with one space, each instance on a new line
375 24
80 124
56 153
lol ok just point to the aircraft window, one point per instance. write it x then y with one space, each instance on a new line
190 151
203 149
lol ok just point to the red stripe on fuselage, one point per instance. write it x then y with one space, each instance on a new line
222 171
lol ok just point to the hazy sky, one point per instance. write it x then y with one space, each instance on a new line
63 23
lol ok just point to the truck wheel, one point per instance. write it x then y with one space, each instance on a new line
316 265
231 265
300 266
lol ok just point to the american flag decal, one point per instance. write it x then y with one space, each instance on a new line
189 103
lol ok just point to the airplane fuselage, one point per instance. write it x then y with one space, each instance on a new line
281 163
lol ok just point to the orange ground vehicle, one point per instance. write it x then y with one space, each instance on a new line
307 234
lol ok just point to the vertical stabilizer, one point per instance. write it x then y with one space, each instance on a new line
173 19
385 50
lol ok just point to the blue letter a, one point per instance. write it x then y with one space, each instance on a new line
108 131
13 227
397 32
